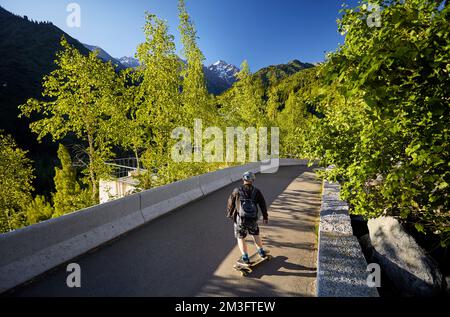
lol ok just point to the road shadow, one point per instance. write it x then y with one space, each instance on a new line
254 286
246 287
280 266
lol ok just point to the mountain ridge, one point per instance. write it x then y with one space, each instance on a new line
27 50
219 76
273 74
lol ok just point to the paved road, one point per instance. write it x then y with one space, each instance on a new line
190 252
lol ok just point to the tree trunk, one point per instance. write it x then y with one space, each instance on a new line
91 167
137 160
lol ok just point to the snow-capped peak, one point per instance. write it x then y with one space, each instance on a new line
224 70
129 62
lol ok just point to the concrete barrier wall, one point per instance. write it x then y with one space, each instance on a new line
28 252
290 162
213 181
341 266
237 172
31 251
158 201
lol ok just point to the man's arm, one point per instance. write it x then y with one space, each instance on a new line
231 204
262 204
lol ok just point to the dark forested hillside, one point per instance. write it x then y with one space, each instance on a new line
274 83
27 53
272 74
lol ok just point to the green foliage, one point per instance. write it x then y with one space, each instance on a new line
244 104
38 210
285 103
195 97
386 103
170 94
290 106
272 75
69 195
81 95
159 92
16 175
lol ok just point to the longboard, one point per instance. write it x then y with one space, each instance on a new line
255 260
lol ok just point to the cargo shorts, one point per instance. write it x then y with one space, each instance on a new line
242 227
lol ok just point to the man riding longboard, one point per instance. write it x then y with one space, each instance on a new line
242 207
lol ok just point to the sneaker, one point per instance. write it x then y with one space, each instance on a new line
262 253
246 259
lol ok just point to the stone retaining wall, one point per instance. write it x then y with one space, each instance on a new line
341 266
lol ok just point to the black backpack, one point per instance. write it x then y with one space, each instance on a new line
248 208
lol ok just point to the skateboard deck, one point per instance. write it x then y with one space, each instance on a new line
255 260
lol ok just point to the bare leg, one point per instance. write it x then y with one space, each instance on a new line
242 246
258 241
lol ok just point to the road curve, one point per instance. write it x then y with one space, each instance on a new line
191 251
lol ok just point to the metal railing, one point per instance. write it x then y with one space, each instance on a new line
124 168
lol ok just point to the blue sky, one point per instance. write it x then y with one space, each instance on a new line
265 32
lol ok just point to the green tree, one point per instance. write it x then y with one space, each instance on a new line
159 91
291 106
197 103
195 96
245 105
38 210
293 122
385 99
80 100
131 132
16 175
273 104
69 195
